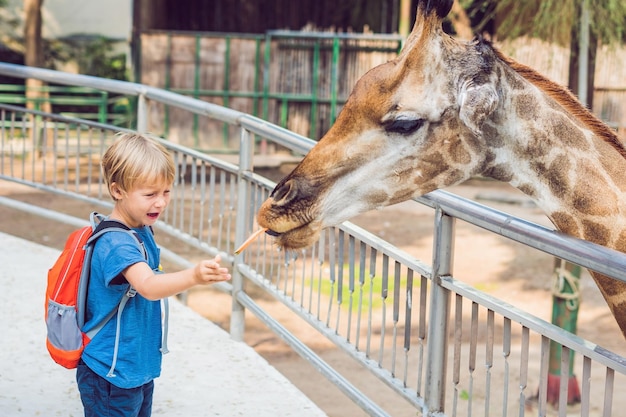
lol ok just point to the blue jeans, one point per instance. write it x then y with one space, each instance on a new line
102 399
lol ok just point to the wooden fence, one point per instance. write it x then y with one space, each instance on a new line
300 80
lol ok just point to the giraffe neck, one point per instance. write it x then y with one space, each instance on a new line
574 174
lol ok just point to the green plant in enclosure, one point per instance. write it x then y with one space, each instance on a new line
372 289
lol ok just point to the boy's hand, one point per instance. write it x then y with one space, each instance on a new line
210 271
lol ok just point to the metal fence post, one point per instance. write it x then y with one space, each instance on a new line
246 152
437 345
142 113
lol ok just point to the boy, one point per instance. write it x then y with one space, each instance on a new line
139 173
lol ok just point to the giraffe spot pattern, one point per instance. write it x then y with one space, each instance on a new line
378 198
620 244
611 288
585 196
501 172
565 222
555 175
528 189
458 153
568 133
596 232
536 146
526 107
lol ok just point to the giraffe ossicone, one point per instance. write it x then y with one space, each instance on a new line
442 112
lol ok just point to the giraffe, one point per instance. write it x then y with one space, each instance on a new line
442 112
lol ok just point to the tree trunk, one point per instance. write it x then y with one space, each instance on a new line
35 94
33 56
573 64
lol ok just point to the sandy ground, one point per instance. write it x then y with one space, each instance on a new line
514 273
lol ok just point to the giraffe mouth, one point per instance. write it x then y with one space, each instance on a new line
272 233
297 238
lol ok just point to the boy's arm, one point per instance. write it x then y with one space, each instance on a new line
157 286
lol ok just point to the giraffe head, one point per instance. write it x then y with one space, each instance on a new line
410 126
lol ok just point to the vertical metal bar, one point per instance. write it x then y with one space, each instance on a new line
396 312
77 166
421 337
222 207
55 154
35 131
407 323
489 358
543 376
373 256
564 379
142 113
246 146
458 339
351 262
232 210
585 401
523 369
608 392
362 266
202 202
384 291
506 352
320 261
332 245
472 356
193 203
437 348
89 160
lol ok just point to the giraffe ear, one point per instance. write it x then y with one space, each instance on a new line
477 103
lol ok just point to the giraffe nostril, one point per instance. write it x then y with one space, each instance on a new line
283 191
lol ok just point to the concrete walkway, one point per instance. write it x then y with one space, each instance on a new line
205 374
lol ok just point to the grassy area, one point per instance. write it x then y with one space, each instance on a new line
374 293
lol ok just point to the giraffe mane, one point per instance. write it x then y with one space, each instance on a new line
567 100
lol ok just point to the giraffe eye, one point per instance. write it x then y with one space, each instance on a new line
403 126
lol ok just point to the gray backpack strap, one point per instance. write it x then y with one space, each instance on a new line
127 296
166 318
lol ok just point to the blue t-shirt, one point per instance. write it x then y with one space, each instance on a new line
139 355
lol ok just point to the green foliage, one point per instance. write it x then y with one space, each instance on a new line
553 20
93 56
609 20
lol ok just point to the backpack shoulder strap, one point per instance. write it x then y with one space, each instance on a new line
100 225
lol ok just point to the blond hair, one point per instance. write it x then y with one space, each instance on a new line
136 159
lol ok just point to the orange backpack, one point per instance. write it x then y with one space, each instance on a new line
66 294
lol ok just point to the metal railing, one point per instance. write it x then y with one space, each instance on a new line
80 102
415 327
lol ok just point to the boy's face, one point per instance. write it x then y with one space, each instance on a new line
142 205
